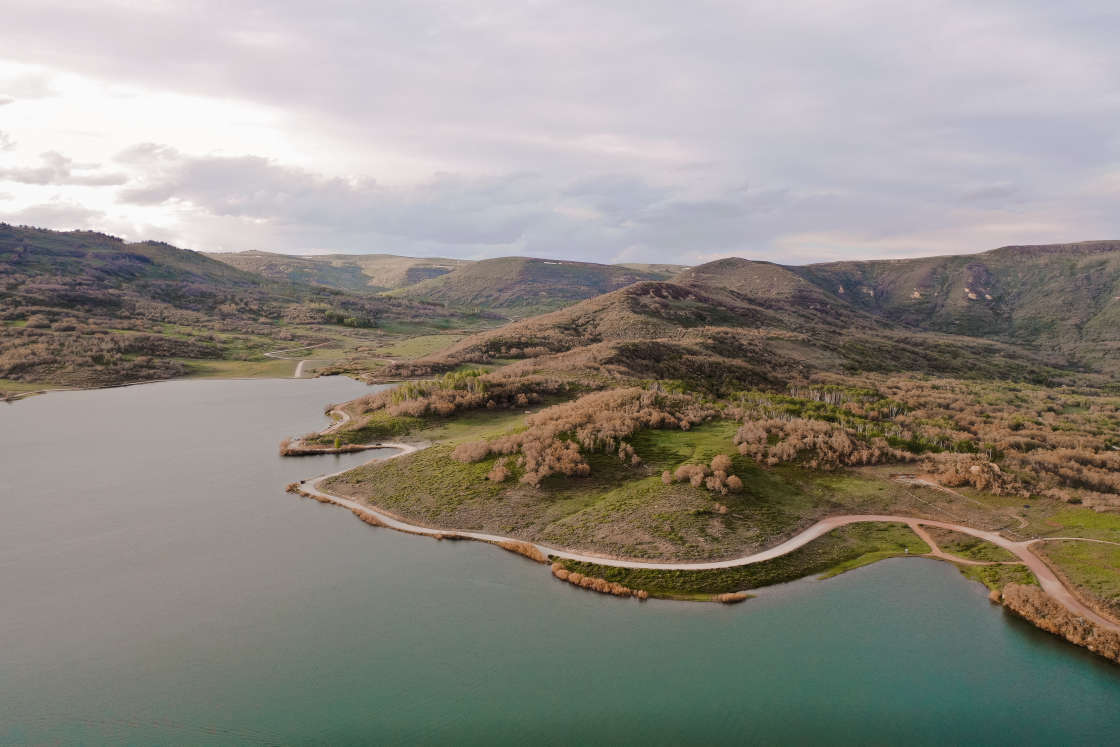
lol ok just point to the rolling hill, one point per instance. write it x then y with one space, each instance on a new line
359 273
714 338
1027 313
513 286
1060 296
521 286
87 308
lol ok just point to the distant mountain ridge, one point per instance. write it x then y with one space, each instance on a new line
358 273
1022 311
524 285
515 286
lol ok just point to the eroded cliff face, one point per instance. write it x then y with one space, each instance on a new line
1034 605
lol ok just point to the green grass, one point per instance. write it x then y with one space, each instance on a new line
998 576
1079 522
426 483
968 547
423 345
269 368
472 425
620 509
1092 567
8 385
836 552
378 427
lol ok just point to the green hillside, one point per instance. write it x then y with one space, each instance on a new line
1063 296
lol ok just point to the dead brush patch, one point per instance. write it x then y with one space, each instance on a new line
368 518
527 549
597 584
733 597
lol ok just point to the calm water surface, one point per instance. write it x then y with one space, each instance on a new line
158 586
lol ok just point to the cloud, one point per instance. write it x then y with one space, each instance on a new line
27 86
512 213
6 141
59 170
595 130
65 216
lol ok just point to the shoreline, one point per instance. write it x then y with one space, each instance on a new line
1049 581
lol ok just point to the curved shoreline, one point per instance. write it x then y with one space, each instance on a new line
1047 579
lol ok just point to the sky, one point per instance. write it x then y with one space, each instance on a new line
604 131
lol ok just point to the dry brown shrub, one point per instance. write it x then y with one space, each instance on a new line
471 452
715 485
822 445
499 472
732 597
734 484
527 549
667 477
721 463
557 438
370 519
956 470
594 584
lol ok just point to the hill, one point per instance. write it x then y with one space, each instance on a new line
90 309
359 273
715 338
1060 296
521 286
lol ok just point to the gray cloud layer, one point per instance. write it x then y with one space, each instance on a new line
58 169
657 130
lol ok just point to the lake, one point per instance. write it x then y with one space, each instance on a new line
159 586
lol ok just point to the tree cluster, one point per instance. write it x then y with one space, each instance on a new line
457 391
717 477
558 438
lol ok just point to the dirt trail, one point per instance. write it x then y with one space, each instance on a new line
937 552
298 374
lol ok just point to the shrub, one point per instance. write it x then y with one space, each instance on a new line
721 463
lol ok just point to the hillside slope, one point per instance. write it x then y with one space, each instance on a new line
520 286
1061 296
707 332
359 273
87 308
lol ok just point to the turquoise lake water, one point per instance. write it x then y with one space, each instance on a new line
158 586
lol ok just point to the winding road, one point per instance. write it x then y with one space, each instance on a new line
1046 577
